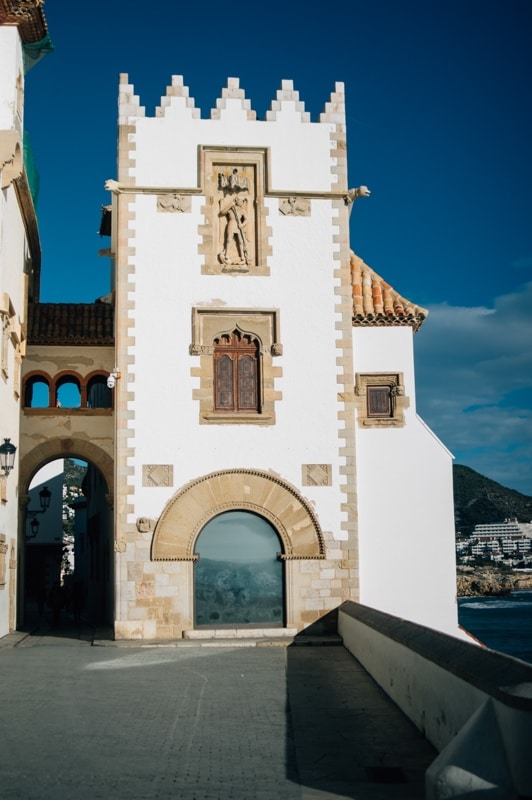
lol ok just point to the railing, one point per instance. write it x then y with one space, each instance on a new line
474 705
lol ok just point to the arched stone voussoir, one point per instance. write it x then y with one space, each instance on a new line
65 448
231 490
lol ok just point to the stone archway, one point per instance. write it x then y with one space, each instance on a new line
40 558
246 489
57 447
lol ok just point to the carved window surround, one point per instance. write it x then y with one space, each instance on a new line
380 399
263 325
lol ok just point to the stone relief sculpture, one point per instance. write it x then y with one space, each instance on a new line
173 203
235 243
294 207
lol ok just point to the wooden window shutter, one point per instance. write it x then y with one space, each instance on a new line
379 401
236 373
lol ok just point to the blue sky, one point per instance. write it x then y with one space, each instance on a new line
439 126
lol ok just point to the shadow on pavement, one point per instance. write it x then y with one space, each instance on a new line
350 739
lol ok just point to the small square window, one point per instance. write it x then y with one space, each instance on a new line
379 399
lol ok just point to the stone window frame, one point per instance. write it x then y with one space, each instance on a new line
226 157
399 401
261 324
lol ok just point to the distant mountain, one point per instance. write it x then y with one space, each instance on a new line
479 500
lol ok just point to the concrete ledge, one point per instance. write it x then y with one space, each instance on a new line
453 691
502 677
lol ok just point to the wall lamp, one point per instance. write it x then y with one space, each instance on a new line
7 456
44 500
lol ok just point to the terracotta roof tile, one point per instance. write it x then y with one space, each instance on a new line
28 16
71 324
376 303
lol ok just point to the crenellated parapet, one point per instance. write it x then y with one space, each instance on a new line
287 102
128 102
177 101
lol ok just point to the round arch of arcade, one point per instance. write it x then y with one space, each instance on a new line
187 513
66 448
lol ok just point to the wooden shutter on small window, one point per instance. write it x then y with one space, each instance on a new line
236 373
379 401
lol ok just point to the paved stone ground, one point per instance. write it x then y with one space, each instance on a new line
85 718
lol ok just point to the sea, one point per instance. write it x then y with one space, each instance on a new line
501 623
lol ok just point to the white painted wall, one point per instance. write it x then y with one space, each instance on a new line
50 476
10 66
168 283
12 258
405 500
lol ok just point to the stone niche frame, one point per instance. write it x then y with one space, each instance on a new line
262 324
187 513
394 381
238 174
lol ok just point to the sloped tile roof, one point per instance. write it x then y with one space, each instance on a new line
375 303
28 16
71 323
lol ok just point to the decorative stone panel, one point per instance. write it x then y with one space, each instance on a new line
174 203
294 207
316 474
235 235
266 494
157 475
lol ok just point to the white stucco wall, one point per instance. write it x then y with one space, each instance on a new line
405 500
10 66
168 283
12 258
50 476
392 540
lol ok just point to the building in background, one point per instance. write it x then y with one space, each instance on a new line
23 41
43 532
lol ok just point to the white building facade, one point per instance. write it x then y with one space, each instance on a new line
269 462
19 267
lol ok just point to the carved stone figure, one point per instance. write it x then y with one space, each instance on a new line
354 194
234 208
173 203
295 207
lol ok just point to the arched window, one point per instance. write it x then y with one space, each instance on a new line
236 373
239 576
98 393
36 392
68 392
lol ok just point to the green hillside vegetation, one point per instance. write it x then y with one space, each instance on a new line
479 500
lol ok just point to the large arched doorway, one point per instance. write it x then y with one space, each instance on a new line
238 574
66 574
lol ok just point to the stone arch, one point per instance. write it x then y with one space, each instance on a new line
65 448
266 494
